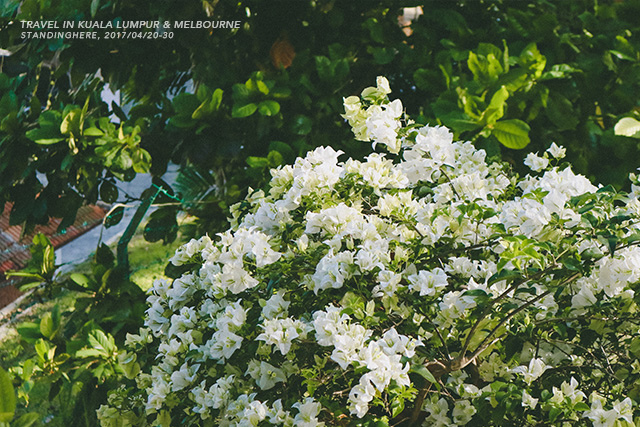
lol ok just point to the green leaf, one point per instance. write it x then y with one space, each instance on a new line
581 406
302 125
29 331
93 131
104 256
182 122
7 397
90 352
257 162
505 275
275 159
141 160
397 406
27 420
216 99
48 261
495 110
533 60
622 55
30 285
185 104
628 126
323 67
559 71
82 280
561 112
475 293
8 103
162 225
130 367
163 419
285 150
425 78
27 274
382 55
341 69
486 49
262 87
95 4
10 123
42 350
634 348
47 327
269 108
512 133
4 81
458 121
123 160
485 68
375 28
51 118
45 135
554 413
114 216
108 192
71 123
423 372
101 341
208 106
239 92
239 111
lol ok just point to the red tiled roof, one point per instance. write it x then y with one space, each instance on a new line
14 251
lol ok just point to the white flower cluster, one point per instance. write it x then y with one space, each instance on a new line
542 198
620 411
336 286
611 276
380 122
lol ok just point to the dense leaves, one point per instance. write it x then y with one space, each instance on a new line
499 73
228 105
423 287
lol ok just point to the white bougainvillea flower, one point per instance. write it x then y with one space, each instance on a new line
557 151
532 372
535 162
346 287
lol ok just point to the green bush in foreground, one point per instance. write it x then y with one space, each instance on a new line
424 287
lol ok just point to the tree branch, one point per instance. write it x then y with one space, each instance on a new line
483 345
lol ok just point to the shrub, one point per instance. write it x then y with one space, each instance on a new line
426 286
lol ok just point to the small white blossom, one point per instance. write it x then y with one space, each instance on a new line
557 151
531 373
528 400
535 162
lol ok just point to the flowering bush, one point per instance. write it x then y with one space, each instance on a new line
429 287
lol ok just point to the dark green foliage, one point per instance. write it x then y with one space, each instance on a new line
505 74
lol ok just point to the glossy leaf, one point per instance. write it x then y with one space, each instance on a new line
268 108
240 111
7 397
114 216
512 133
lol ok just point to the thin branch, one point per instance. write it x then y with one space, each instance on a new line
490 304
444 343
575 318
483 344
609 372
460 249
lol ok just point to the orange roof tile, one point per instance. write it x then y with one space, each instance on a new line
14 251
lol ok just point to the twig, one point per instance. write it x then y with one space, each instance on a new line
483 345
496 299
